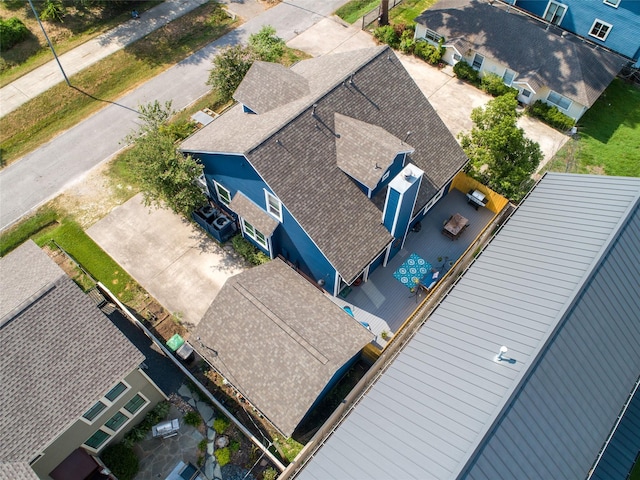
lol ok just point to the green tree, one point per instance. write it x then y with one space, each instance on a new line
501 156
266 45
165 175
232 63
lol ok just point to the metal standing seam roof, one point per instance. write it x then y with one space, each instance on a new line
61 354
566 65
439 410
282 340
293 148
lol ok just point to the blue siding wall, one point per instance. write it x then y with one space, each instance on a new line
406 209
234 172
390 212
624 36
393 170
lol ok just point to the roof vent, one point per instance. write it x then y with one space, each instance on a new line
500 356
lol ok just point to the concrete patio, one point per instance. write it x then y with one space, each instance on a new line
383 301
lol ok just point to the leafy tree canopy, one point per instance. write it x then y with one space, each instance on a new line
500 155
166 176
232 63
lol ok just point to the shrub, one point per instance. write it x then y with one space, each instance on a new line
121 460
407 43
178 130
270 474
248 251
493 85
192 418
12 31
550 115
202 444
220 424
137 433
388 35
223 455
53 10
428 52
464 71
234 446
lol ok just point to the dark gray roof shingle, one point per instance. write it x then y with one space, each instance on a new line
60 355
294 148
565 64
278 339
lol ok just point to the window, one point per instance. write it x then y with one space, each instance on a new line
526 93
224 195
115 422
457 57
612 3
555 13
558 100
477 61
94 411
135 404
274 206
600 29
116 391
97 439
507 78
253 233
431 35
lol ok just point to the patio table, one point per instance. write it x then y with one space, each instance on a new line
454 226
412 271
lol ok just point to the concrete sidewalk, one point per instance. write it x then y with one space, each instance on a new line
43 78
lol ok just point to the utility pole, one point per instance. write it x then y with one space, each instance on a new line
384 13
49 42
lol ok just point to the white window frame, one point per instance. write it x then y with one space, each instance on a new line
133 414
527 95
457 57
275 208
220 198
551 92
108 403
513 76
556 5
473 62
125 414
252 232
90 421
602 24
432 35
612 3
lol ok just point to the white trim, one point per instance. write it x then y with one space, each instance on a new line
218 196
602 24
253 235
473 61
91 422
612 3
513 76
270 196
522 82
108 429
433 201
101 446
557 5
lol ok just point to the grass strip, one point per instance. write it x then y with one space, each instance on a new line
407 11
352 11
608 136
61 107
70 236
21 232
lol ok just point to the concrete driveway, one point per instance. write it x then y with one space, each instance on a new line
450 97
173 260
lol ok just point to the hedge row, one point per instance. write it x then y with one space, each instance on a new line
12 32
551 116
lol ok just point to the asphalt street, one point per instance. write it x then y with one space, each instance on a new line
44 173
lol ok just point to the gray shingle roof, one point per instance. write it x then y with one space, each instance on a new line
253 214
365 151
60 355
565 64
560 287
278 339
17 471
294 148
282 83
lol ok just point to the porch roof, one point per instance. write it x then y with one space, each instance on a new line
252 213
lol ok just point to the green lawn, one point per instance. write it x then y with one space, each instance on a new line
408 10
352 11
609 136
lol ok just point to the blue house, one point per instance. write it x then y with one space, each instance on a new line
329 163
614 24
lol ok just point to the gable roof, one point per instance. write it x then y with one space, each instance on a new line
60 355
293 148
283 340
565 64
559 286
